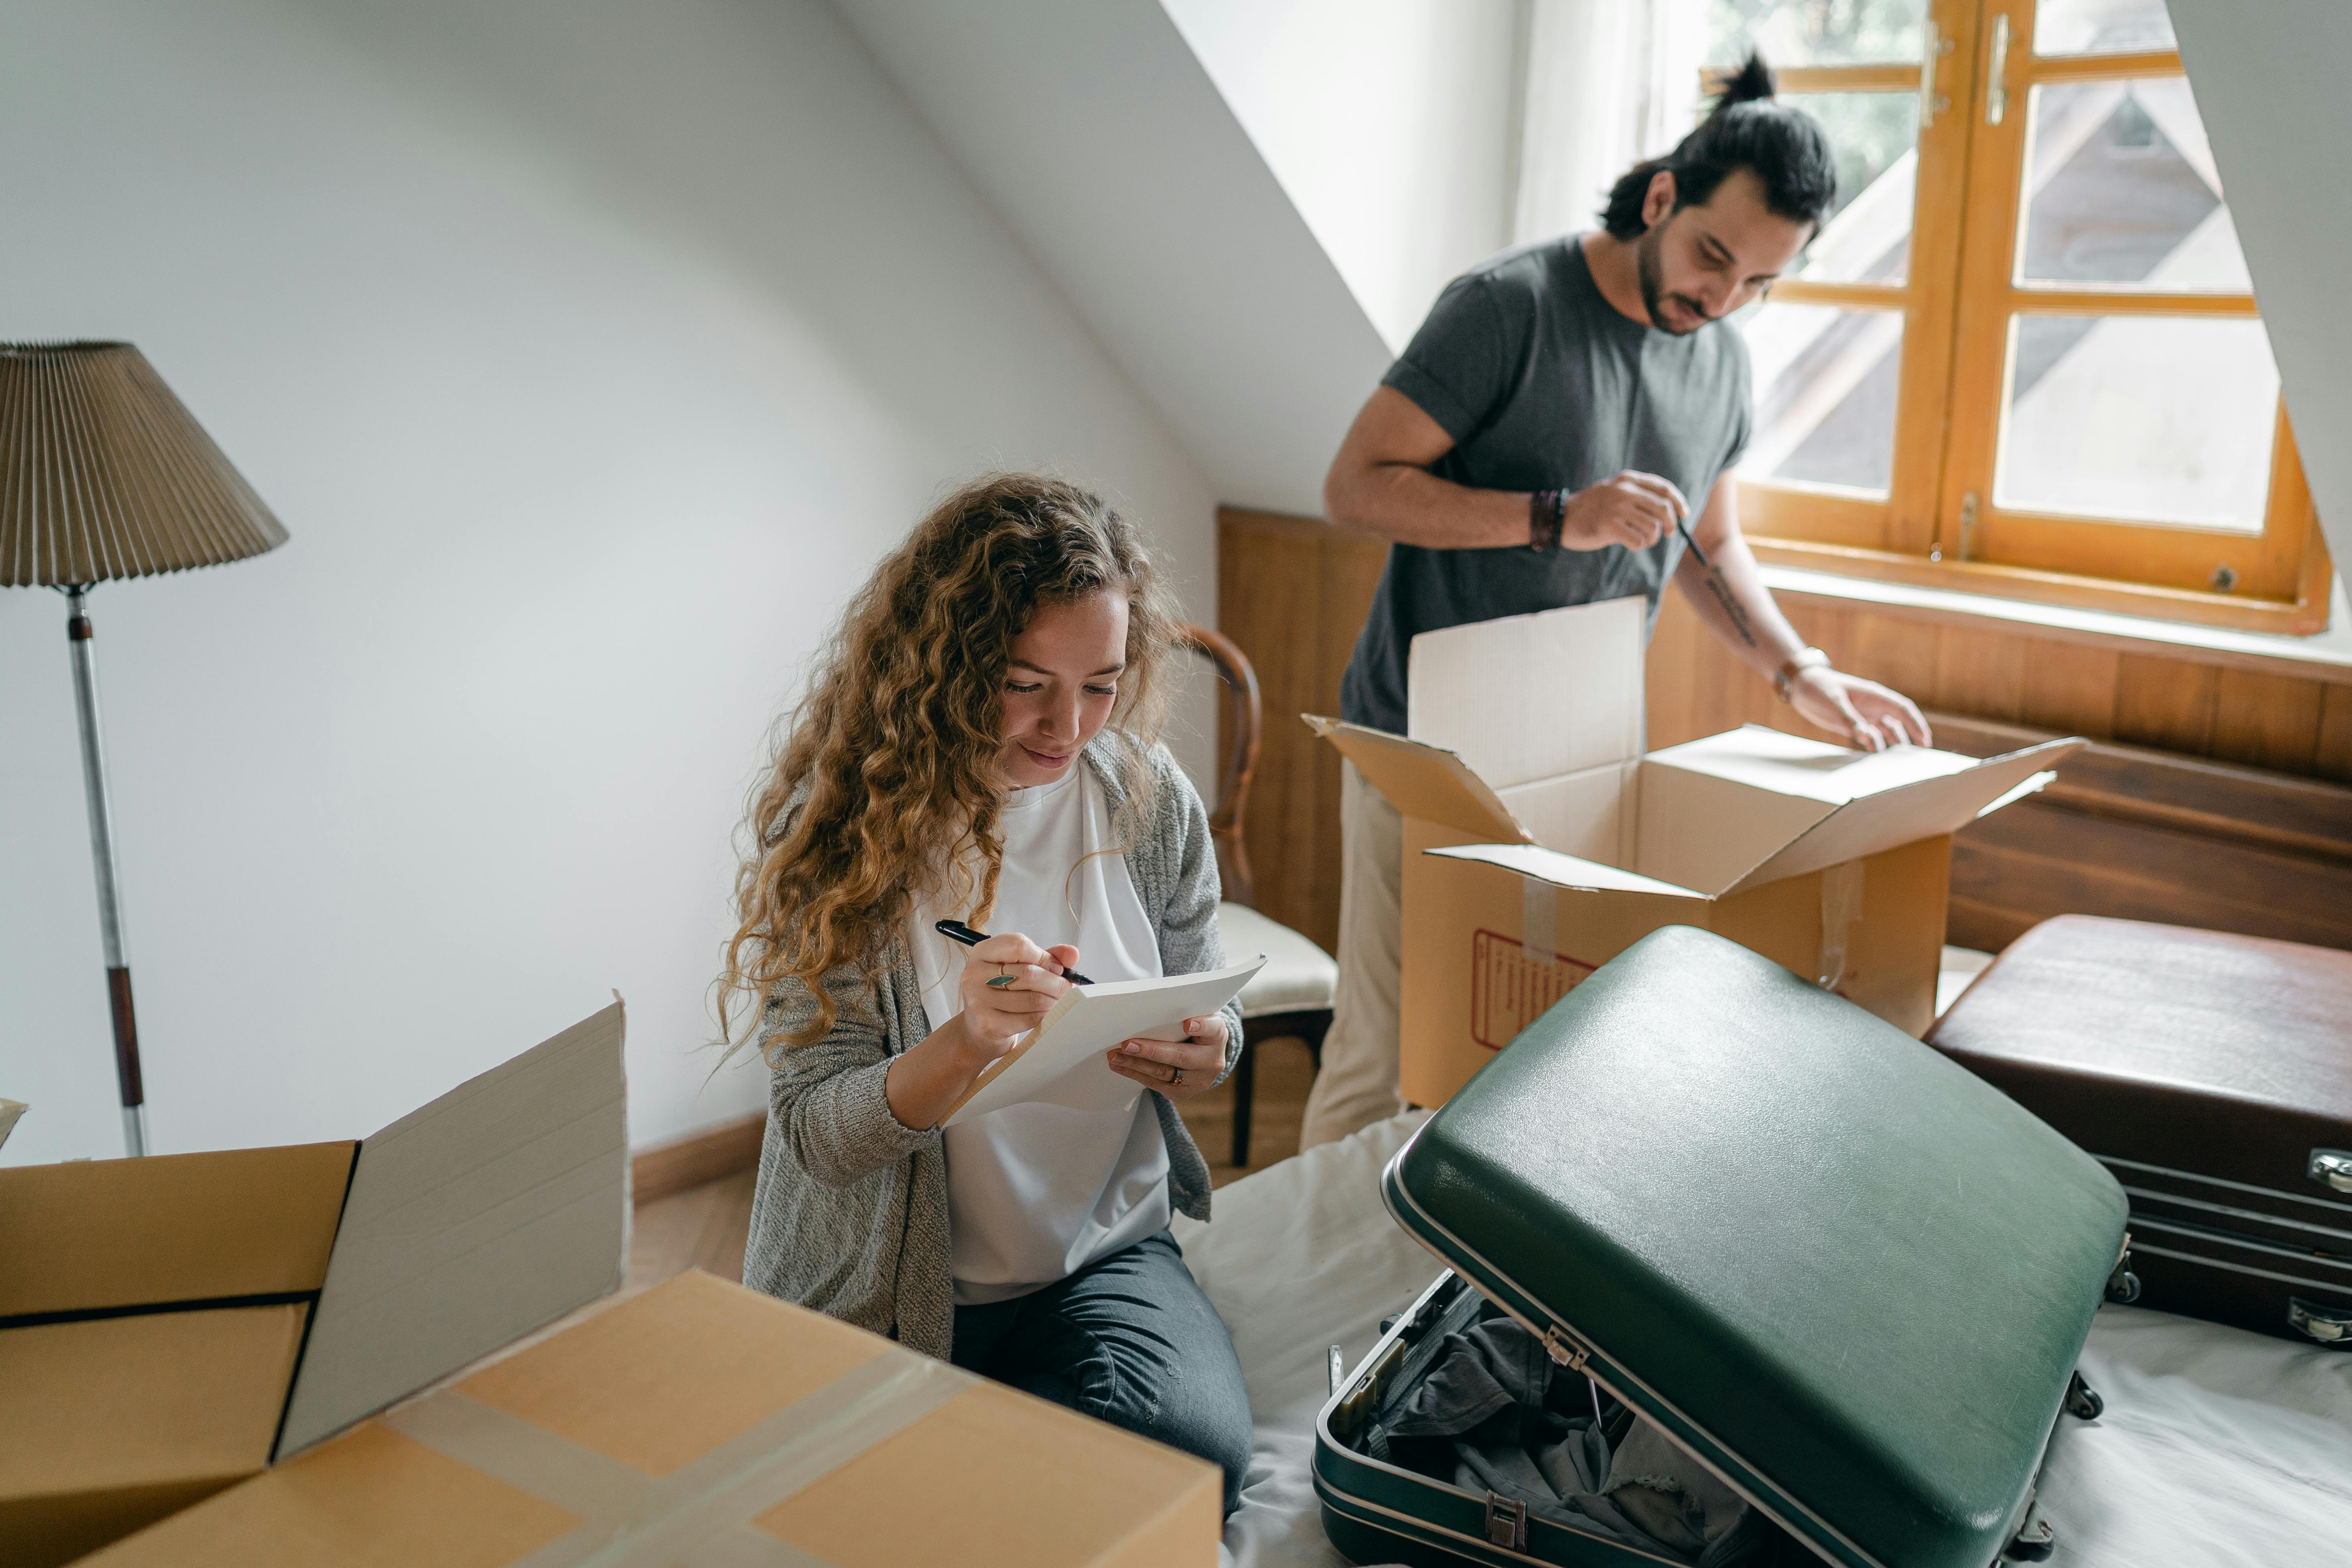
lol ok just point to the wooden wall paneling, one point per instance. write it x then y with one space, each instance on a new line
2069 690
2021 865
2331 758
2166 704
1897 653
1293 593
2270 721
1976 673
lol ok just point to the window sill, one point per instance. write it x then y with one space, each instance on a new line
2322 656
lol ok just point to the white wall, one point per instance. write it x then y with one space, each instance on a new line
1093 128
1389 123
591 355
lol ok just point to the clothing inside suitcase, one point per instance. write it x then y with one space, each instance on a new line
1464 1397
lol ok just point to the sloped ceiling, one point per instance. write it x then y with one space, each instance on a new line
1098 136
2271 81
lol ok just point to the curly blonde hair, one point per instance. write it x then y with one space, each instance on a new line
886 781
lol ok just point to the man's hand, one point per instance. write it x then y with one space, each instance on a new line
1871 716
1631 509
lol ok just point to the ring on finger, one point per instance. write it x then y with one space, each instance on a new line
1175 1078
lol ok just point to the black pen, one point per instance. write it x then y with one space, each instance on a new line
1688 538
956 930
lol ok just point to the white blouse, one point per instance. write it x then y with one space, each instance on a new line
1037 1192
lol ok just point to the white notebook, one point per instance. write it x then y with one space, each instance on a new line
1061 1062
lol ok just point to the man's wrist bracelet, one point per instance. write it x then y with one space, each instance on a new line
1805 659
1547 511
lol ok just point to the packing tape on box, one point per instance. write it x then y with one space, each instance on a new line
1538 921
1841 907
700 1515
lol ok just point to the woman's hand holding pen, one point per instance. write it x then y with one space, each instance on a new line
1176 1068
1009 984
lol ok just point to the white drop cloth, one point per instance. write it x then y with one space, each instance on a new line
2217 1447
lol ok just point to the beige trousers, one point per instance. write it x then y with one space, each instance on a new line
1357 1085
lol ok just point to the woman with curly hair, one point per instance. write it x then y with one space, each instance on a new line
982 743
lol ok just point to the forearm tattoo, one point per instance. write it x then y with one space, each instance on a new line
1733 610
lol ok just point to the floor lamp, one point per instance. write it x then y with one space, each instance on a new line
104 475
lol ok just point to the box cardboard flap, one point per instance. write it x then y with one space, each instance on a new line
93 1234
499 1208
150 1400
1873 823
1532 697
1775 761
1589 814
1542 865
1422 781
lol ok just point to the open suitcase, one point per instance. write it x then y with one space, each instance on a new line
2212 1074
1761 1279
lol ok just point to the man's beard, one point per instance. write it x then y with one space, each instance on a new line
1652 274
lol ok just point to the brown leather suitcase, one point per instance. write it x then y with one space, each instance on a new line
2212 1074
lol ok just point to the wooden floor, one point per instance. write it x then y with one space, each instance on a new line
704 1226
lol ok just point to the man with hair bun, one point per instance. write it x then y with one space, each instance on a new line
1563 409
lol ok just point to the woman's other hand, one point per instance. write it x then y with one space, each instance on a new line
1009 985
1176 1068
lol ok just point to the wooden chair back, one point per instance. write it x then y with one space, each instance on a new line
1246 715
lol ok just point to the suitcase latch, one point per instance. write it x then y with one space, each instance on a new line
2329 1326
1563 1350
1506 1522
2332 1168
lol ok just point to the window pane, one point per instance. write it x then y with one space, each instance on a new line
1814 32
1876 138
2121 188
2100 26
1825 385
2139 418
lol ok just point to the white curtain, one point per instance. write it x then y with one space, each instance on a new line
1608 83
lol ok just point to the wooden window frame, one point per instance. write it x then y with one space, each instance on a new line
1938 525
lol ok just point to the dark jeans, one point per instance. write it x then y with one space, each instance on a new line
1129 1339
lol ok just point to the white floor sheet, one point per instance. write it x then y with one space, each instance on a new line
2217 1447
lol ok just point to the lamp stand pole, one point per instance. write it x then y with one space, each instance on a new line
101 854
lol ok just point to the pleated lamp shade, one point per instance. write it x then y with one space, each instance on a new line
104 475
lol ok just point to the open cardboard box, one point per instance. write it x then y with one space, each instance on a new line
700 1422
172 1325
1540 841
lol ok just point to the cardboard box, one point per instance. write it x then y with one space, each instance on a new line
702 1423
1540 841
170 1325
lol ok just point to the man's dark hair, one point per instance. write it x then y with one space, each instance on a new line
1746 130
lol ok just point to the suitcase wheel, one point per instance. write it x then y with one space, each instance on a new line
2033 1543
2329 1325
2083 1401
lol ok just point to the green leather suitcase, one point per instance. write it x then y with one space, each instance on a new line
1846 1278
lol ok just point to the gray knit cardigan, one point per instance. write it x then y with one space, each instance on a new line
850 1217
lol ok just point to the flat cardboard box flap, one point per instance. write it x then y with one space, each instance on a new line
1423 781
116 1421
91 1235
494 1210
701 1422
1559 870
1926 809
1532 697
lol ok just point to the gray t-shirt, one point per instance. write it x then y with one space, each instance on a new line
1543 385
